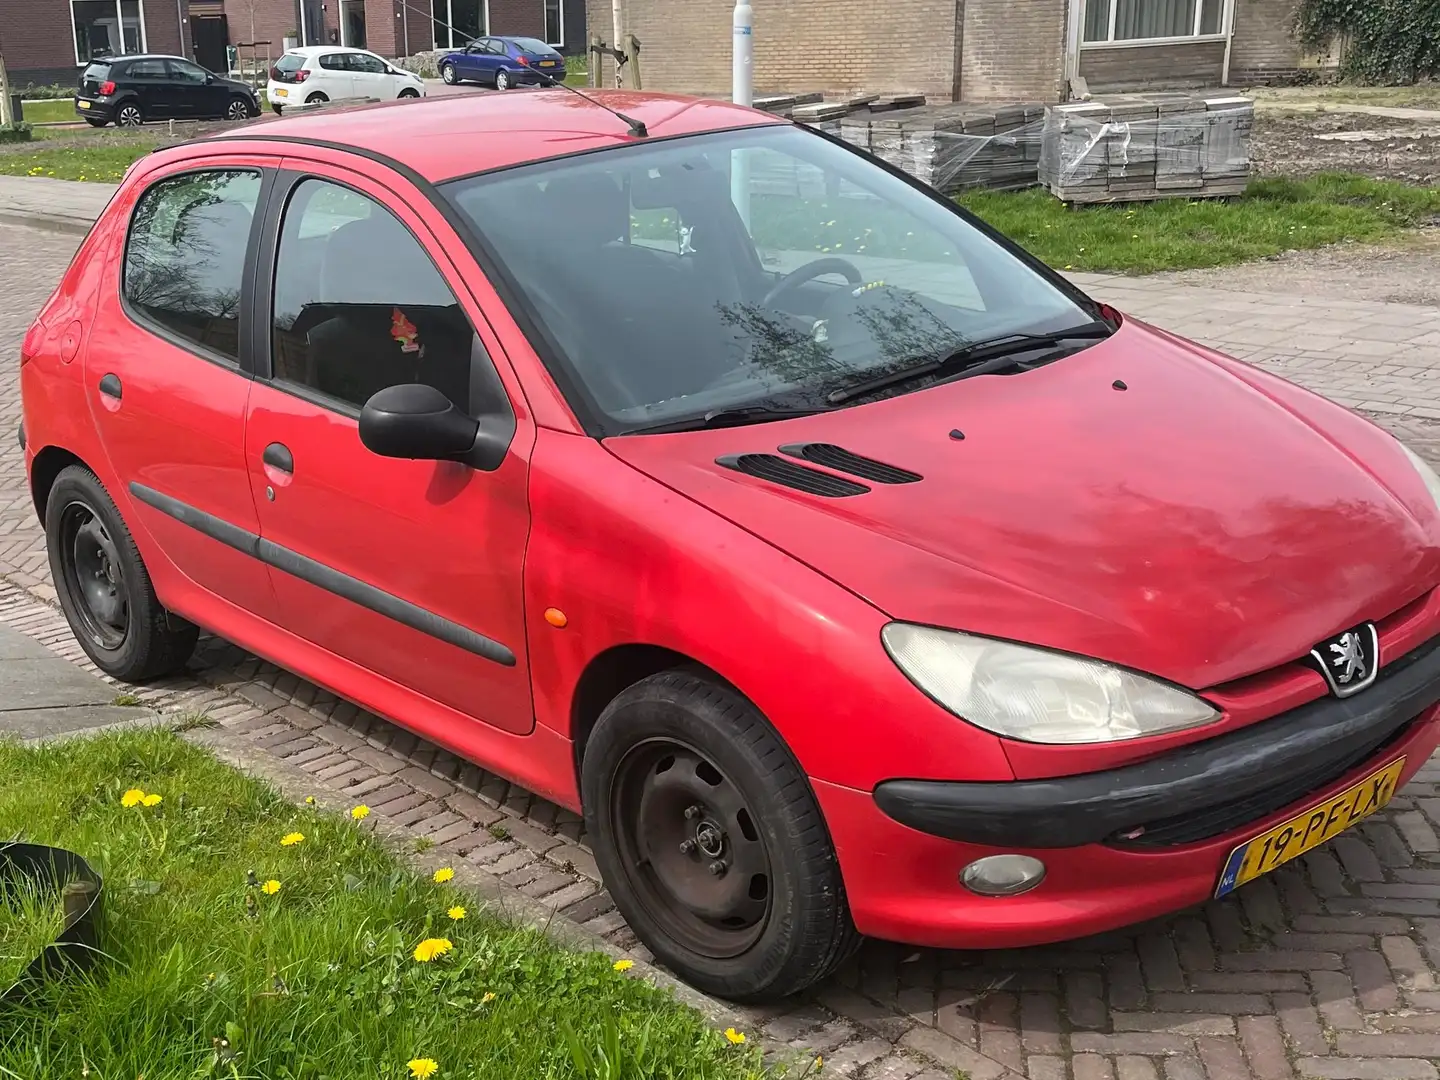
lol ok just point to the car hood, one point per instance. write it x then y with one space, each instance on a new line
1144 501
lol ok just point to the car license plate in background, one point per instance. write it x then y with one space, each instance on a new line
83 104
282 93
547 63
1310 829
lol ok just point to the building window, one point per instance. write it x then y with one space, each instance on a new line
1152 20
555 22
459 22
107 28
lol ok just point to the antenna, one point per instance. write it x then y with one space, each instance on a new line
637 127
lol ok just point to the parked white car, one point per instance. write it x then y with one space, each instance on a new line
335 72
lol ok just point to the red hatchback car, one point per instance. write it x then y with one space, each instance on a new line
855 574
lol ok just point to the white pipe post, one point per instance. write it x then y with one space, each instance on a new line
742 92
617 32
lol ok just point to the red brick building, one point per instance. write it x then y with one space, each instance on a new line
47 41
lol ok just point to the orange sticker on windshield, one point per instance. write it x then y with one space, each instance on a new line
403 331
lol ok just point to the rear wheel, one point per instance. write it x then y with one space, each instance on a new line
129 115
447 72
316 98
711 842
238 109
502 80
104 587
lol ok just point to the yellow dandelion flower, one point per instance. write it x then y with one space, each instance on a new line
819 1063
431 948
623 965
133 797
291 839
153 800
457 913
443 875
360 813
309 800
424 1068
735 1038
271 887
489 997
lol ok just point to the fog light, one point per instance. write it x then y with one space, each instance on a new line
1003 875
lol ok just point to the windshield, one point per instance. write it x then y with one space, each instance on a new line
95 73
760 268
290 62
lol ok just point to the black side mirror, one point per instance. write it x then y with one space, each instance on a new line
209 78
416 421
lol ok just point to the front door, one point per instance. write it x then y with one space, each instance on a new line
410 569
164 376
199 94
372 77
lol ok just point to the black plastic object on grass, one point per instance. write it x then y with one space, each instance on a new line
78 888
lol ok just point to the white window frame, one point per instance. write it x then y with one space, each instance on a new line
449 9
560 4
119 28
1227 18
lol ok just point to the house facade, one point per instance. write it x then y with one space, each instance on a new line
971 50
47 41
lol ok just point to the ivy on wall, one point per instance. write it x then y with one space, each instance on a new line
1389 41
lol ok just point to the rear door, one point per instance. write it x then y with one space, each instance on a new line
160 98
334 78
166 369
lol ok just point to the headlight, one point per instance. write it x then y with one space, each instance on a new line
1427 474
1035 695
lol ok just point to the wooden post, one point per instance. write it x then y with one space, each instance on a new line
6 116
592 67
632 61
76 899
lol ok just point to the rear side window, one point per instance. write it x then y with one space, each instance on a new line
333 62
290 62
371 65
359 306
185 257
146 70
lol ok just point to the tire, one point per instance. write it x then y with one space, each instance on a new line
696 805
502 80
447 72
238 109
96 122
129 115
276 109
118 620
409 93
316 98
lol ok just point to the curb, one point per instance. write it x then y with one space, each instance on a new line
53 223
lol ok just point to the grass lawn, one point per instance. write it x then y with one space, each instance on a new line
75 160
316 970
49 112
1275 215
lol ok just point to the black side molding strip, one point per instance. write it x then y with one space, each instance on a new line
326 577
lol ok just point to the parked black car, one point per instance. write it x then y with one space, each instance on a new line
130 90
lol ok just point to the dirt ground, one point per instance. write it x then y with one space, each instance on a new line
1301 144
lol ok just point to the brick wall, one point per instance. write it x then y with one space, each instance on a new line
1013 50
1263 46
1170 66
518 18
799 44
38 38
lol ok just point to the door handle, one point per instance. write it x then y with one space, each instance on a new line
110 386
278 456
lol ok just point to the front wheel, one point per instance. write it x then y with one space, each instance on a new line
502 80
447 72
711 842
104 588
238 109
316 98
409 93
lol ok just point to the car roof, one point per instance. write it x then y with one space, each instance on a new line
444 137
314 50
112 60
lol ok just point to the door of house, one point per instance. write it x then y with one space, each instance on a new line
212 38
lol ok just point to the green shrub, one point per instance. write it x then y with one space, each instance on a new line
11 133
1390 41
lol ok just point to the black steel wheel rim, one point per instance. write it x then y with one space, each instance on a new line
94 576
690 848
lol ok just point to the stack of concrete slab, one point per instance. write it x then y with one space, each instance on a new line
1130 148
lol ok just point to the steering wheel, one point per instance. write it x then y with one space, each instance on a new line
809 272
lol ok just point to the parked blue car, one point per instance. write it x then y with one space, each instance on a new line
503 62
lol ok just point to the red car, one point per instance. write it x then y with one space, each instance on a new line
853 572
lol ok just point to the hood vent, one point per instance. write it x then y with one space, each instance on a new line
842 460
788 474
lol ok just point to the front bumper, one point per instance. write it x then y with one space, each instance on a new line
1201 790
901 864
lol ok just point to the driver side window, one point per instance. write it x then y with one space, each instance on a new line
800 212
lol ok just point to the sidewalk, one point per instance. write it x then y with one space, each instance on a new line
43 695
58 205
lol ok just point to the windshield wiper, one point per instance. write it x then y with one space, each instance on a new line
969 359
721 418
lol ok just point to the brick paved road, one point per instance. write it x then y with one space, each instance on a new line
1326 969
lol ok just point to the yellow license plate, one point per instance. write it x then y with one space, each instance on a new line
282 93
83 104
1308 830
547 63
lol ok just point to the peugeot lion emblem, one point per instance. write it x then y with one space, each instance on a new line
1349 661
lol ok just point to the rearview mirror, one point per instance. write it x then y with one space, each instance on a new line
418 422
